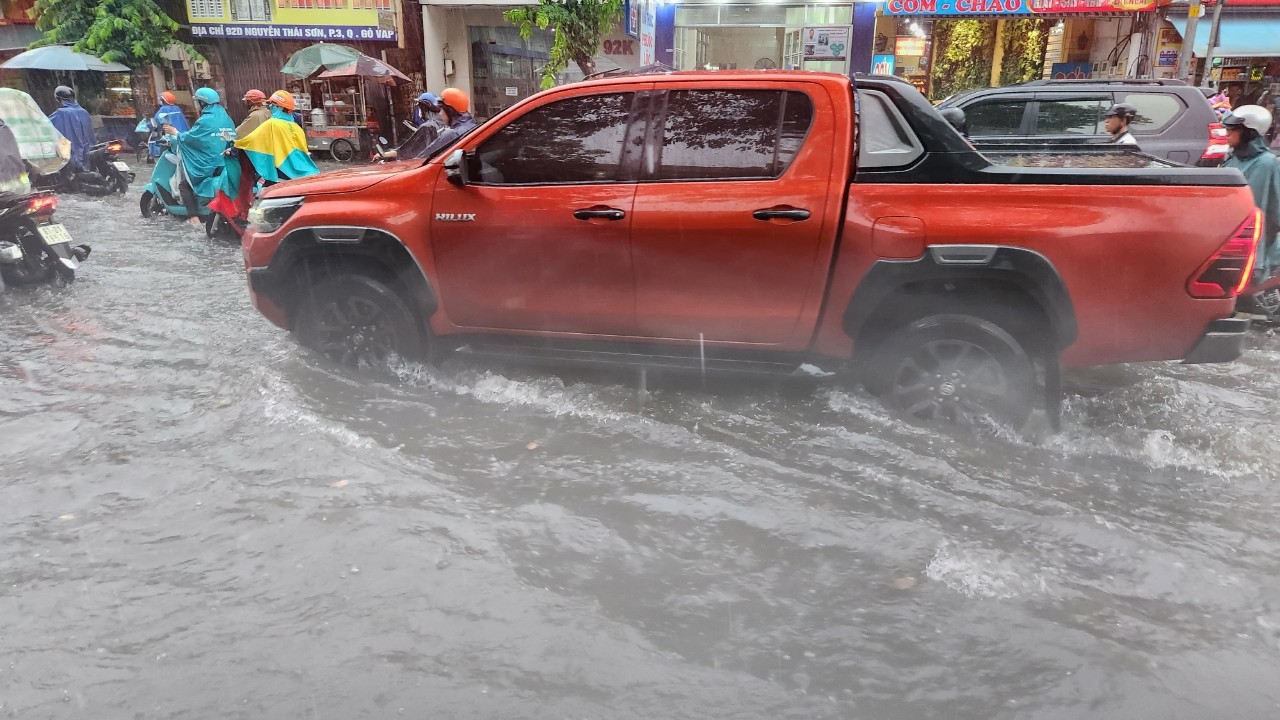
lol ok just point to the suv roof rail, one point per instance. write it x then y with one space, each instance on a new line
1113 81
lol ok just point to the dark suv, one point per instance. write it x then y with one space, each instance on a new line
1174 121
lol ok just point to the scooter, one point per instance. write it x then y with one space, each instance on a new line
33 248
106 174
170 191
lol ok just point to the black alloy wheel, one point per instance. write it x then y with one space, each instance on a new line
955 369
359 323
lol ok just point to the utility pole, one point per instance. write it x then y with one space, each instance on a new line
1189 43
1213 36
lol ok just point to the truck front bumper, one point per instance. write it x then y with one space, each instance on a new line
1223 341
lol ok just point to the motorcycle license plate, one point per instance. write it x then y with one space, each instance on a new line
120 166
54 234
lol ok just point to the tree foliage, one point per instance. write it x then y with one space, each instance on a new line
1025 43
579 25
963 55
134 32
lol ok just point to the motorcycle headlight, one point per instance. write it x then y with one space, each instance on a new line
268 214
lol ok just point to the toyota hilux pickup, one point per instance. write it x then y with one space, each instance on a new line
758 222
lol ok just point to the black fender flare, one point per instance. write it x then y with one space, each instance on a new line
970 265
359 244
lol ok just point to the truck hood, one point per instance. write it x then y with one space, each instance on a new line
341 181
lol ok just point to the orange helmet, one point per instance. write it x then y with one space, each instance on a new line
255 96
282 99
169 98
456 99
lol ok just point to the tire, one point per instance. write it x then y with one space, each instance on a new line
358 322
214 224
342 151
122 184
957 369
150 205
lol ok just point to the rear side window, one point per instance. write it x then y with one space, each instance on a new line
732 134
1071 117
884 140
578 140
1155 110
995 117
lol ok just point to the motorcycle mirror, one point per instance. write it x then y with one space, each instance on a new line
382 140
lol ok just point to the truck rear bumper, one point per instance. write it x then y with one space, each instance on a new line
1223 341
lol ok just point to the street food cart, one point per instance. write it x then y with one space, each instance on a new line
340 124
336 113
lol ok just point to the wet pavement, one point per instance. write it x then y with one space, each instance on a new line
201 520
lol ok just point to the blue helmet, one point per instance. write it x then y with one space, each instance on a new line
430 99
208 96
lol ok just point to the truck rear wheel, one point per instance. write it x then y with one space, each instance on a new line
358 322
958 369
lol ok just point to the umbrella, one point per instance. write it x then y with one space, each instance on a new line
321 56
61 57
368 67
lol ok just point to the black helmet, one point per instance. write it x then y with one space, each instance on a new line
1124 111
64 93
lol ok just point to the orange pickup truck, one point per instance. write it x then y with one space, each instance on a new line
752 222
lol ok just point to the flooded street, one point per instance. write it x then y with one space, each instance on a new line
201 520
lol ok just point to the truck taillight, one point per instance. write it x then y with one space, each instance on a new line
1227 273
1217 148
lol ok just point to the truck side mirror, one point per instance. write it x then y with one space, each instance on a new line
455 168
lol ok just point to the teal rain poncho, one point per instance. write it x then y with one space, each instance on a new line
1261 169
202 149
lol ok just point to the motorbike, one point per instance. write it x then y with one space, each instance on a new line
169 192
106 174
34 248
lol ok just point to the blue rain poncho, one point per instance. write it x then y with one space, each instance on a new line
1261 170
75 125
203 147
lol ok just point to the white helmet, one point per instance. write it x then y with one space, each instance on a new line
1250 116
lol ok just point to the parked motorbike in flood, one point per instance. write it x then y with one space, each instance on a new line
106 174
34 248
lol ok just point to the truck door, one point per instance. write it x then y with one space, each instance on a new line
539 237
734 220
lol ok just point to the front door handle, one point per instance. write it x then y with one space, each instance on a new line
781 213
606 213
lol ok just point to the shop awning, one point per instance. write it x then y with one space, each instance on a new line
1237 36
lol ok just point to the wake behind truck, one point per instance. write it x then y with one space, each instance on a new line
752 222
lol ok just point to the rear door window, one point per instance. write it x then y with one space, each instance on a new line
1155 110
1073 116
731 134
995 117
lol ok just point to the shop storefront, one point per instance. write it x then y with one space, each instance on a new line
1017 40
1245 61
763 35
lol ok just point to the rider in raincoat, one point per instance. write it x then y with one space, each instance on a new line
168 113
75 125
1246 130
203 146
275 151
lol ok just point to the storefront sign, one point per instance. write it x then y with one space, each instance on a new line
631 18
909 46
369 20
1167 58
825 44
1014 7
648 32
881 64
1071 71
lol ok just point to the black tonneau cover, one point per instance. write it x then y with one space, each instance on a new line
949 158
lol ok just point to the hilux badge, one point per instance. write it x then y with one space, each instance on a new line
456 217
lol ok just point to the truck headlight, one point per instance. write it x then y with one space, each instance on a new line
268 214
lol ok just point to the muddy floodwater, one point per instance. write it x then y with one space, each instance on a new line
201 520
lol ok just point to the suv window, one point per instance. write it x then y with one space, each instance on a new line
1081 116
732 134
883 137
578 140
995 117
1155 110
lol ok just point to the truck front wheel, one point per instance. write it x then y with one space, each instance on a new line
958 369
359 322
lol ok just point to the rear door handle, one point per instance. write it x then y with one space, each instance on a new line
781 214
606 213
